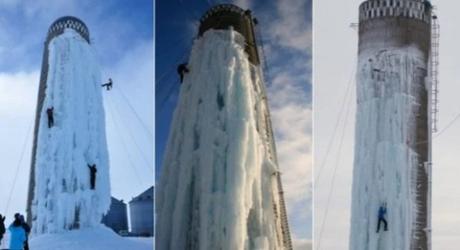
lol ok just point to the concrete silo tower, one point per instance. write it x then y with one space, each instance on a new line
61 195
55 29
393 125
220 187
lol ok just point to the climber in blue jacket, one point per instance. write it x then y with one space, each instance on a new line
381 217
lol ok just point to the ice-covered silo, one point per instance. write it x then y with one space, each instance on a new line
393 127
69 137
220 186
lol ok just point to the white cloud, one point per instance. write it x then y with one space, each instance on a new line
288 33
48 8
244 4
133 85
18 92
301 244
292 125
293 28
134 74
292 119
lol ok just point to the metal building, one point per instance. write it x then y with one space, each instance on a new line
117 217
56 28
141 213
395 33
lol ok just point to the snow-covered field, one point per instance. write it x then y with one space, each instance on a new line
218 186
99 238
390 83
63 199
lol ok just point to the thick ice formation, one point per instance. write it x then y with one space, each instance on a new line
218 187
390 87
63 199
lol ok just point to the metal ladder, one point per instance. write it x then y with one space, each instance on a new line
434 68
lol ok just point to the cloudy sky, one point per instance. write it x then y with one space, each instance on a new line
286 31
122 34
335 45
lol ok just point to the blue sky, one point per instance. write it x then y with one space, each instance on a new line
286 33
122 35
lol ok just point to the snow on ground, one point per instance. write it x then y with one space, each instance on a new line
218 186
98 238
388 91
63 199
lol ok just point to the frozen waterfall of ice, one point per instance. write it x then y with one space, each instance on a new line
389 87
63 199
218 185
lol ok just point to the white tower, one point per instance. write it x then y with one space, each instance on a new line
220 186
61 196
393 129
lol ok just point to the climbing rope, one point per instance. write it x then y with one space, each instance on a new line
337 163
339 118
18 167
144 126
448 125
455 119
141 152
130 160
175 83
172 67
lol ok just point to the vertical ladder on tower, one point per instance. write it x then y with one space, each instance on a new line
261 49
434 68
286 234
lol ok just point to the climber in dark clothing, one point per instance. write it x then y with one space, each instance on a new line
108 85
428 5
93 170
2 227
49 112
181 70
382 212
27 229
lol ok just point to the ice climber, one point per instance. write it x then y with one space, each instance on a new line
93 170
2 227
17 234
108 85
26 228
49 112
382 212
181 70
